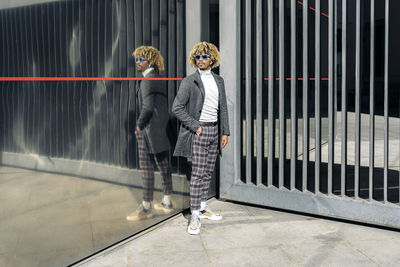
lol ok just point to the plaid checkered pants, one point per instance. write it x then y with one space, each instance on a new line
204 155
147 166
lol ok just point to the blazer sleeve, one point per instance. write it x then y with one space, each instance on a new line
224 112
148 94
179 107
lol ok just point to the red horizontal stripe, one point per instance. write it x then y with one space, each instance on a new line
85 79
313 9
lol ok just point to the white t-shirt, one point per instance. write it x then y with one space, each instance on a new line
209 112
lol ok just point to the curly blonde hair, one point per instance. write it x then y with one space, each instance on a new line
205 48
150 52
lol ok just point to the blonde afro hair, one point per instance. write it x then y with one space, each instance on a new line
203 48
150 52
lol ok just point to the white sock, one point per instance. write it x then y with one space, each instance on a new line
146 204
166 199
197 212
203 205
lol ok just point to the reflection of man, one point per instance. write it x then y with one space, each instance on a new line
151 131
201 107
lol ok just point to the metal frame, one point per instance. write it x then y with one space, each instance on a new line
277 195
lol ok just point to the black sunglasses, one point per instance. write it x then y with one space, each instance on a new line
141 59
205 57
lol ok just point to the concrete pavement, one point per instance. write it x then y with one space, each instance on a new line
253 236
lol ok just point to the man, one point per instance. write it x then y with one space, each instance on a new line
200 106
151 131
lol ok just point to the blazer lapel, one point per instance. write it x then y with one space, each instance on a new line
138 83
199 82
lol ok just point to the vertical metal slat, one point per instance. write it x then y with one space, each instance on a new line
372 103
331 97
259 91
282 121
386 105
358 100
249 121
293 98
344 101
271 137
317 94
305 95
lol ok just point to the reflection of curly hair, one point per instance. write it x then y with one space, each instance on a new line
154 56
205 48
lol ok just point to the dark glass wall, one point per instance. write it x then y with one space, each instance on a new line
82 120
70 182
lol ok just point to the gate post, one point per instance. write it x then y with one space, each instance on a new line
230 71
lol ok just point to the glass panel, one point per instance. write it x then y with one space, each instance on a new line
75 171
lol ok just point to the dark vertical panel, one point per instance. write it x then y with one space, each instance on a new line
100 90
38 37
146 23
19 125
164 44
96 71
14 69
164 33
130 123
138 18
84 111
2 84
181 58
31 93
171 50
114 123
43 53
155 23
109 38
124 93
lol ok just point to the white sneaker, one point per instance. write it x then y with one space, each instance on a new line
207 213
161 206
194 225
140 214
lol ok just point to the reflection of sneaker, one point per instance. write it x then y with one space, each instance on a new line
161 206
194 225
207 213
140 214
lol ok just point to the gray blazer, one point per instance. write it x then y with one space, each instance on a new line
187 107
153 113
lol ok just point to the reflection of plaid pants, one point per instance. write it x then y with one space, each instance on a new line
204 155
146 165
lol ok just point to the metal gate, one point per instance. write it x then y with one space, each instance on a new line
314 104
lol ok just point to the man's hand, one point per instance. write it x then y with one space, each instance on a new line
224 141
137 129
199 131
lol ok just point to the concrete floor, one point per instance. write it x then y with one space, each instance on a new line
252 236
55 220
